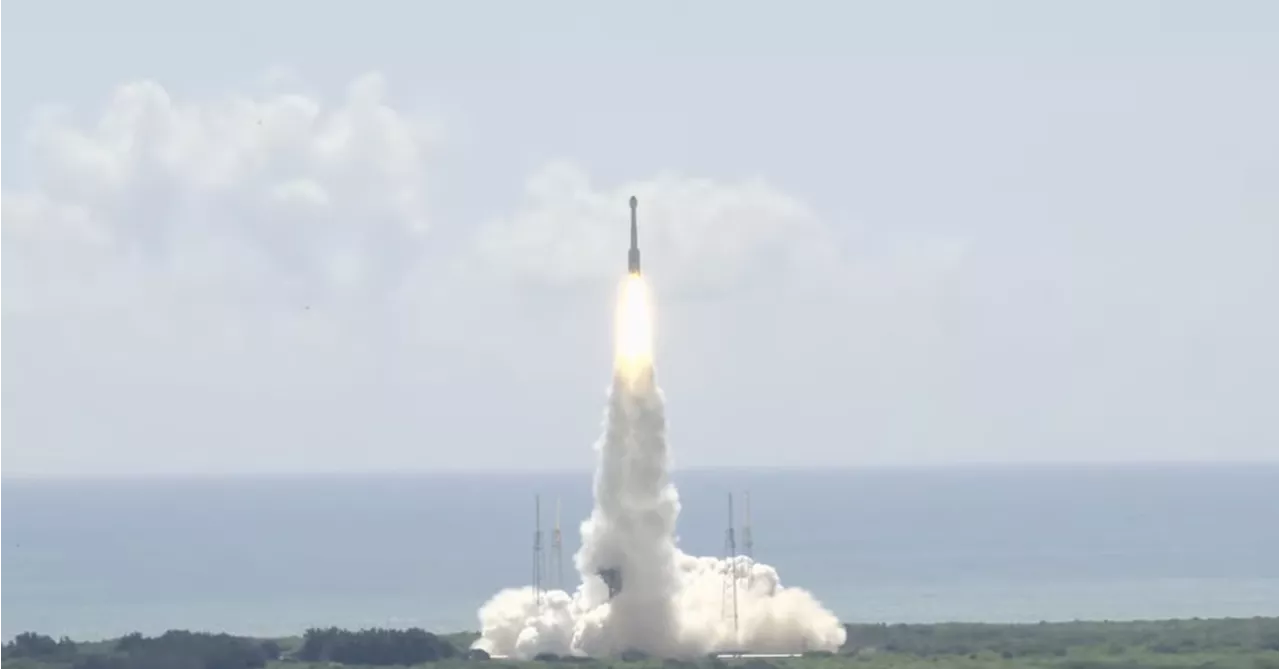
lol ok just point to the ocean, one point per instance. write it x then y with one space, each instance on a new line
273 556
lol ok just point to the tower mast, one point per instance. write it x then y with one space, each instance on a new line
537 551
557 551
748 545
729 601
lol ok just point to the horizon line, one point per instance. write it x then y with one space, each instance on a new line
746 469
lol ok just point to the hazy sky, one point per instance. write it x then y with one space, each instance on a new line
336 236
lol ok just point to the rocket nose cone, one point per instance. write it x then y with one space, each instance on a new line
633 202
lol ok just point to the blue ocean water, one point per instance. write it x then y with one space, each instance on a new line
273 556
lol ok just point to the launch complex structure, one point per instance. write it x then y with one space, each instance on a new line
548 567
548 570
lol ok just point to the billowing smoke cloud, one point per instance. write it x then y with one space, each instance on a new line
668 604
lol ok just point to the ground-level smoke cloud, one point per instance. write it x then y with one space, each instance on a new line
663 602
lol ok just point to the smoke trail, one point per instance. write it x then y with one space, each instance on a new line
632 527
669 604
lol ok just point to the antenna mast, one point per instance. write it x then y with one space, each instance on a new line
748 546
537 552
557 552
729 600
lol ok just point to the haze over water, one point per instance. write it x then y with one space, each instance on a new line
273 556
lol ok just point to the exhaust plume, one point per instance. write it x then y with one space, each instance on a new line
639 591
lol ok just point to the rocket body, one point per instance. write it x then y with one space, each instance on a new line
633 254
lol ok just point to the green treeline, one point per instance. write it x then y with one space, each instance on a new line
377 647
1048 639
178 649
1241 643
175 649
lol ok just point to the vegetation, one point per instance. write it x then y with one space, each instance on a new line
1056 639
172 650
1172 644
376 647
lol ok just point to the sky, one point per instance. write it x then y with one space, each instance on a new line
317 236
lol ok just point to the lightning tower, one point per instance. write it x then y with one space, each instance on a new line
748 546
557 552
537 552
729 597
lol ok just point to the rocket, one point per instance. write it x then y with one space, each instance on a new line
633 255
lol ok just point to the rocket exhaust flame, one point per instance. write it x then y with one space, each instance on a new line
633 329
638 590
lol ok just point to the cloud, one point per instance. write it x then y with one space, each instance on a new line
260 279
699 234
166 203
232 200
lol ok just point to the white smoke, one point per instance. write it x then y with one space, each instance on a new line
670 604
